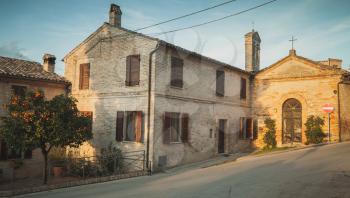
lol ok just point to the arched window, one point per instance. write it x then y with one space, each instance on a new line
291 121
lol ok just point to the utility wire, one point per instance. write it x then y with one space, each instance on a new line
212 21
132 34
186 15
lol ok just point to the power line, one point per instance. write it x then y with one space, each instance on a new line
125 35
186 15
215 20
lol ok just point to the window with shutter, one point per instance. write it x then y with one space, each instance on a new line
176 72
87 114
243 88
132 70
19 90
129 126
246 128
84 76
220 83
175 128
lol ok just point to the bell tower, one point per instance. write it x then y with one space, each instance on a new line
252 51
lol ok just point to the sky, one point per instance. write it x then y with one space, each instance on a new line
322 27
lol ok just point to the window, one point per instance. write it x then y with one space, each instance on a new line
243 88
132 70
19 90
87 114
129 126
220 83
84 76
176 72
176 128
248 129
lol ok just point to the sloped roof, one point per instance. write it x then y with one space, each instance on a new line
315 63
23 69
162 42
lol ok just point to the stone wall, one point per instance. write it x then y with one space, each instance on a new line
198 99
344 91
298 79
108 93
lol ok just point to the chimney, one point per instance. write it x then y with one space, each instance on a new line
252 51
49 63
115 16
336 63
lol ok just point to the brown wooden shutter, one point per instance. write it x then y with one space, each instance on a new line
135 70
185 134
243 88
128 65
166 128
220 83
176 72
138 126
120 127
241 128
249 128
84 76
255 129
132 70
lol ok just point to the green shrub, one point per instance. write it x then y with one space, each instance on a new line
270 135
111 160
314 133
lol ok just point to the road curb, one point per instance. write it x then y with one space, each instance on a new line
252 155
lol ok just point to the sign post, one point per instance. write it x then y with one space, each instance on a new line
328 108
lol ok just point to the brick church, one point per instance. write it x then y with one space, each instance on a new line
180 106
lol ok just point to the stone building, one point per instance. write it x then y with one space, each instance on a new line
16 77
179 106
147 94
295 88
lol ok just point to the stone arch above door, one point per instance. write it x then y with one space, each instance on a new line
279 112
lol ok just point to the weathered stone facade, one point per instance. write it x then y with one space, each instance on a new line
108 94
311 83
106 52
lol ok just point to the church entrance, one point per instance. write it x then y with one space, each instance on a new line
291 121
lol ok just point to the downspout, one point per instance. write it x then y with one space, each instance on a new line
339 114
149 104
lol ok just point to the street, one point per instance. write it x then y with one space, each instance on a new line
322 171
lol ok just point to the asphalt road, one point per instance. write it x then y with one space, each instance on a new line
322 171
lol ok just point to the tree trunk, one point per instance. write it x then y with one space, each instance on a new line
45 167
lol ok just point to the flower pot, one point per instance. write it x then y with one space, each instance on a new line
57 171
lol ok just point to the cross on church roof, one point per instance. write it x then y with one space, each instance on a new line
293 40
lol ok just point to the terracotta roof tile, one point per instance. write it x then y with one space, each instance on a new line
11 67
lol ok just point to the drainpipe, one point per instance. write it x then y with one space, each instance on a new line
149 103
339 114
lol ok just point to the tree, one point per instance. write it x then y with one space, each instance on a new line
314 132
270 135
34 122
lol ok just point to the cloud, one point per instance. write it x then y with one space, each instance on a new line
12 49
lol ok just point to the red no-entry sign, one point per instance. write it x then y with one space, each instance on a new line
328 108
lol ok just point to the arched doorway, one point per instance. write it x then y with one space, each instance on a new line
291 121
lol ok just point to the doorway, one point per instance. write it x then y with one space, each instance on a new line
291 121
221 136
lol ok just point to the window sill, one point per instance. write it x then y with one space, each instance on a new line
176 143
131 142
174 87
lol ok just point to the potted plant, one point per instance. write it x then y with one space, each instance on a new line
57 160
